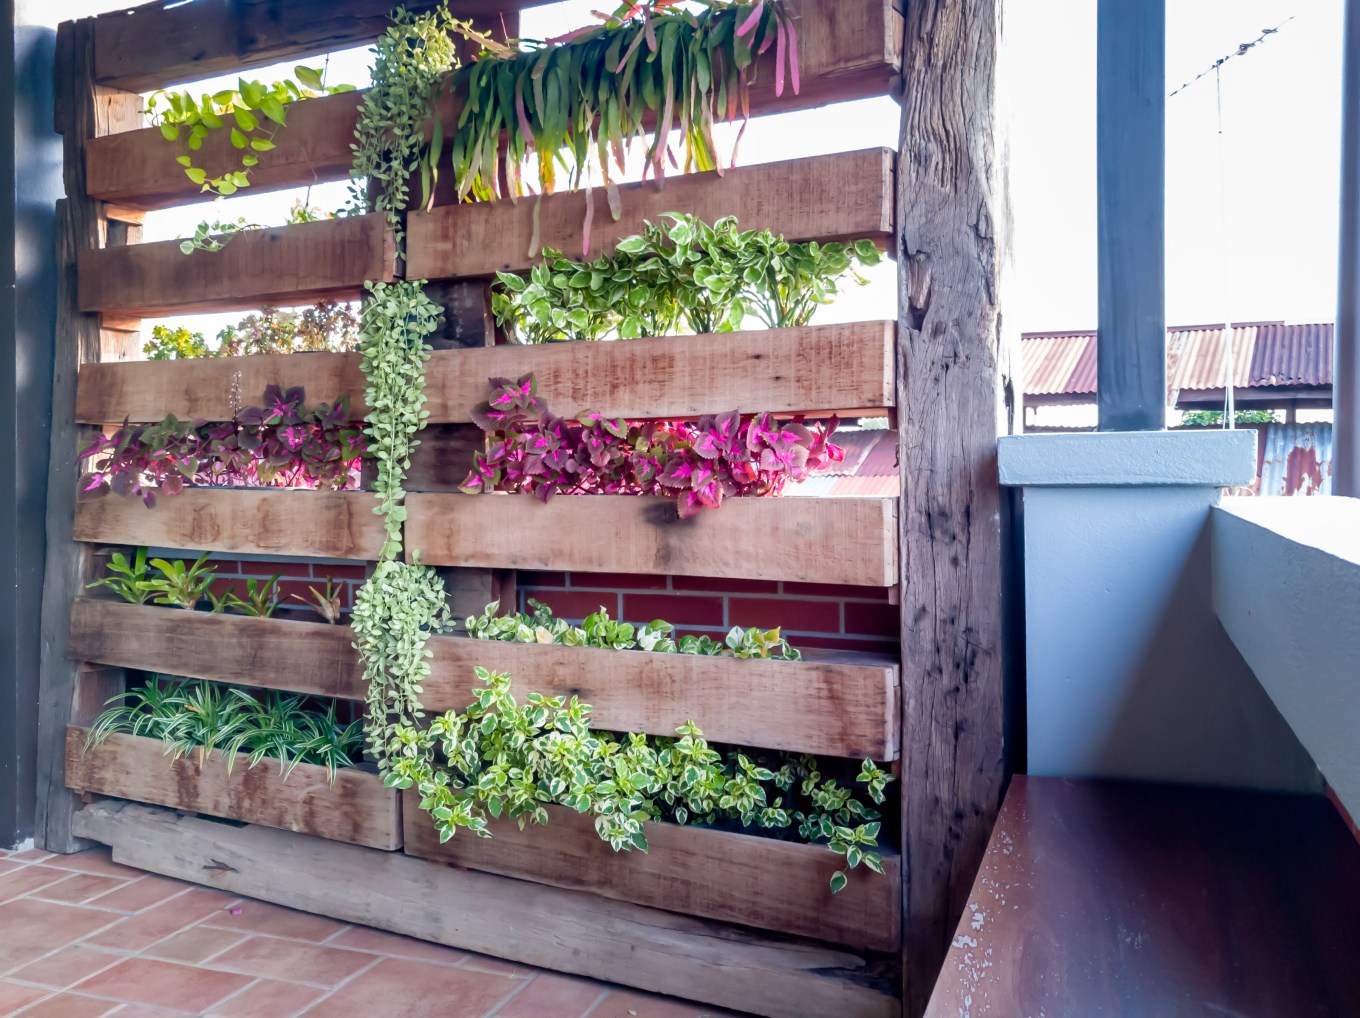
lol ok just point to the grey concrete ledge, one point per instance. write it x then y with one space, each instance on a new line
1211 458
1329 523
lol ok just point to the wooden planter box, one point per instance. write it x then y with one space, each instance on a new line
354 809
286 265
809 540
738 878
844 706
847 195
846 368
250 521
848 49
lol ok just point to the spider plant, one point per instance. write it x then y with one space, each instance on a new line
129 580
181 585
212 720
325 603
154 710
328 743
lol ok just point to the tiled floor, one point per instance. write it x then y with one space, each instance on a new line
83 937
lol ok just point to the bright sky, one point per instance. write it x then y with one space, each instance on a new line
1281 155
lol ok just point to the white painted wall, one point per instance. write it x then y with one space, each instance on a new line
1287 588
1128 672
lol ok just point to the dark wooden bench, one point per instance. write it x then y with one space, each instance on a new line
1104 898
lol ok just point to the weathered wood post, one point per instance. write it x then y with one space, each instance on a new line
951 239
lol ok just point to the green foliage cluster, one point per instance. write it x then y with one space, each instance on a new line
389 139
681 275
599 630
578 102
396 319
192 717
1214 418
324 326
213 235
252 111
502 758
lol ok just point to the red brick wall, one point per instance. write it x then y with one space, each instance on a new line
810 614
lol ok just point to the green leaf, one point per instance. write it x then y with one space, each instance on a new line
272 108
238 140
309 77
261 144
838 881
196 174
170 132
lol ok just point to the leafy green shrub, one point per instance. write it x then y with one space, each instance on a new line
502 758
193 717
599 630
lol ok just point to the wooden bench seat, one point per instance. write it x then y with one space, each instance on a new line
1114 899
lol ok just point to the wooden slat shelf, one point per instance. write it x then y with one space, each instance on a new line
819 367
847 195
844 705
728 876
848 50
810 540
286 265
571 931
355 808
251 521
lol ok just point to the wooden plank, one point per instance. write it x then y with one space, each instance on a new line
330 259
1105 898
252 521
953 395
777 370
354 808
848 49
812 540
82 111
155 45
584 934
723 875
844 705
846 195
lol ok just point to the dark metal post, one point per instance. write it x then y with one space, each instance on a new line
1131 214
1346 363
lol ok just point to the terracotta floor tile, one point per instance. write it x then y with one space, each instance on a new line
164 984
69 1005
292 960
94 860
67 966
30 929
268 998
363 938
553 994
497 967
13 996
159 921
632 1004
140 1011
79 887
262 917
28 879
141 894
6 865
195 944
30 855
414 989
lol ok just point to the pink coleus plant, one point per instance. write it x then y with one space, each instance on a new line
697 463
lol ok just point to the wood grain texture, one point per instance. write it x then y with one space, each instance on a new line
811 540
1107 898
154 45
848 49
584 934
846 195
952 223
723 875
842 705
82 111
355 808
299 264
817 367
252 521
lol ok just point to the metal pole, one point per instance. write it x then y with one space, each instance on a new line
1346 362
1131 213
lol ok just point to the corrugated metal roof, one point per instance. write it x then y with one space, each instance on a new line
1265 354
1296 459
869 469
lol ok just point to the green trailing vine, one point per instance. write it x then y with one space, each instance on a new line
501 758
389 140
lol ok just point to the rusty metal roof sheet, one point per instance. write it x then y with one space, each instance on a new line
1265 354
1295 459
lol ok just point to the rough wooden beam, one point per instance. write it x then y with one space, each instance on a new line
570 931
952 222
